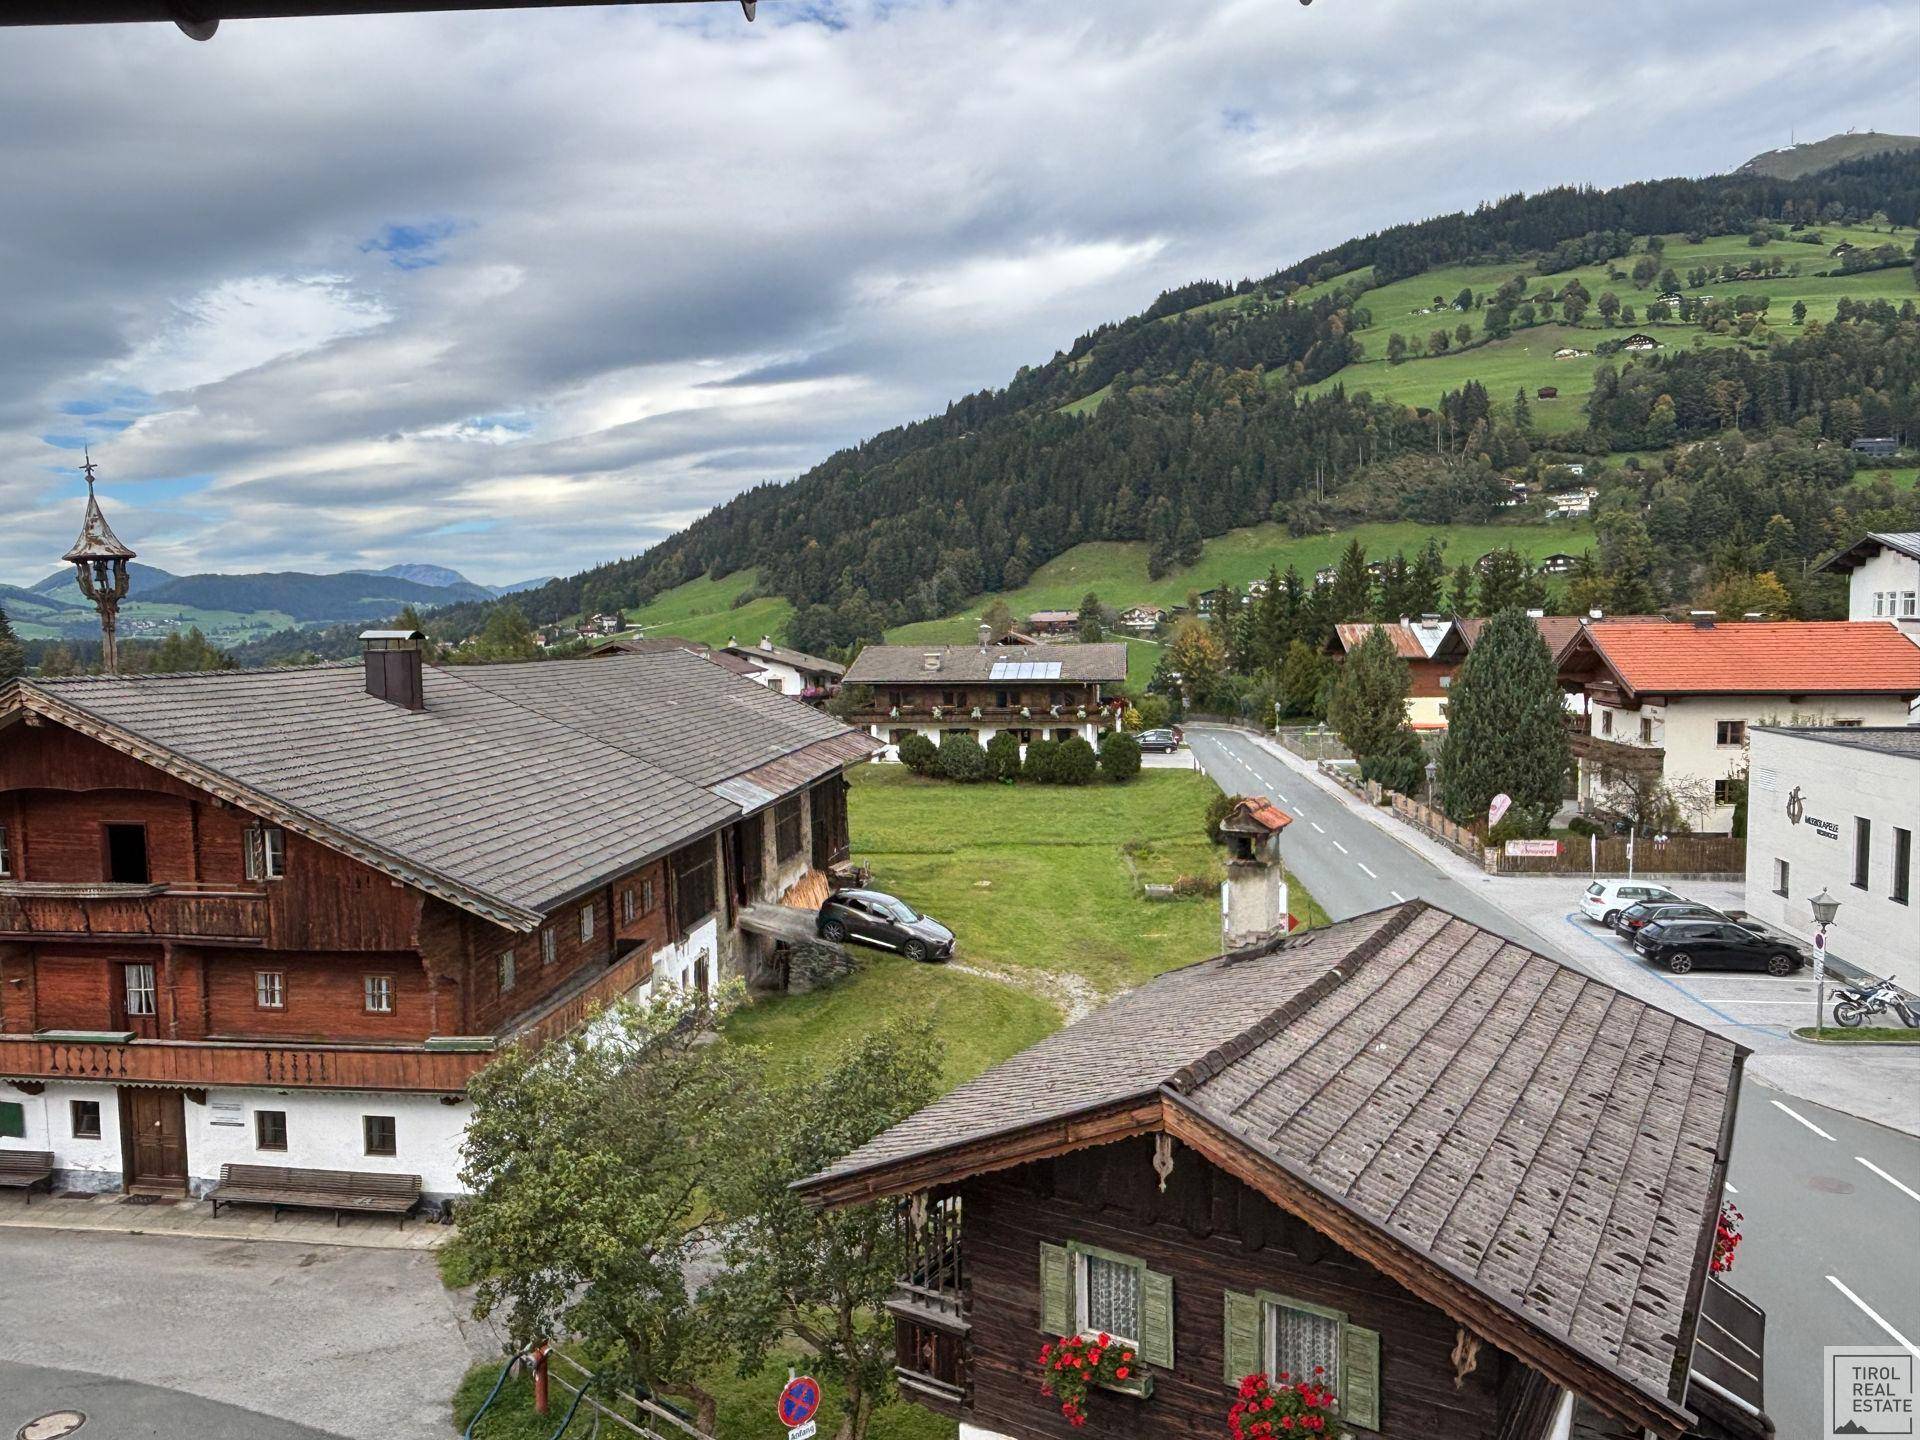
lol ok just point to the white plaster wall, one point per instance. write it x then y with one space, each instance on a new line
673 964
324 1133
969 1431
784 678
1889 572
1836 783
86 1164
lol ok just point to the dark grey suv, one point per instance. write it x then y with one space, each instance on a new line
876 918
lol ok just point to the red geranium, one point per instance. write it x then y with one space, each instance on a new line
1074 1364
1267 1409
1726 1237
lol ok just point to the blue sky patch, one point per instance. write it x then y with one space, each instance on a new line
412 247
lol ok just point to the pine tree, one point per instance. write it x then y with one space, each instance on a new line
13 658
1522 411
1369 703
1352 589
1505 730
1460 592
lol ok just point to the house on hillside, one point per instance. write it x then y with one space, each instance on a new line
1639 340
791 672
1053 622
1326 575
1558 563
1883 577
1880 447
634 643
283 916
1674 702
1050 692
1567 352
1142 619
1485 1219
1547 392
1433 648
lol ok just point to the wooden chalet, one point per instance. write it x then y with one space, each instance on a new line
283 916
1472 1189
1433 647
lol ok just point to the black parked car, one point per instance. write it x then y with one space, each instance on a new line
1631 919
1166 740
1684 945
875 918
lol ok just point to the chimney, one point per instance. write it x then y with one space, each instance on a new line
766 642
1594 613
1536 614
1702 619
391 659
986 636
1752 615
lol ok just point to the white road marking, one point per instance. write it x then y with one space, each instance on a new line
1728 1186
1338 846
1795 1114
1398 896
1902 1341
1908 1190
1370 874
1318 826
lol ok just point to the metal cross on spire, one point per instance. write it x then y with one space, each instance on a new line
87 465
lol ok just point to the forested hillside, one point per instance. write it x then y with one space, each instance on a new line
1223 406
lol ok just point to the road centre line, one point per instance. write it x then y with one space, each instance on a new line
1370 874
1795 1114
1398 896
1318 826
1338 846
1902 1341
1900 1185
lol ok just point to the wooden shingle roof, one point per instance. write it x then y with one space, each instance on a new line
1530 1149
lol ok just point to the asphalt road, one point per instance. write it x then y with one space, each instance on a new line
1831 1203
127 1410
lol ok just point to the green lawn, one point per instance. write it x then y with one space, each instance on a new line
703 610
747 1408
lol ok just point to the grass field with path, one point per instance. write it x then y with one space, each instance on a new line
704 610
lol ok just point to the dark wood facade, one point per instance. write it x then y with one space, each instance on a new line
198 970
1211 1234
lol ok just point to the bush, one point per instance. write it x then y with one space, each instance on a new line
1514 825
1120 757
1581 825
1075 764
1042 761
1188 886
1003 756
1218 808
1154 711
919 754
962 759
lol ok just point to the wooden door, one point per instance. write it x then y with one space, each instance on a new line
156 1122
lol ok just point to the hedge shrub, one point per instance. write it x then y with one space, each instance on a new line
1075 763
1003 756
1120 757
919 754
1042 761
962 759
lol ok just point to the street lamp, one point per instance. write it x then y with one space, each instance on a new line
1433 773
1825 907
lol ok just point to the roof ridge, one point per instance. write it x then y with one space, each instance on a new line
1191 1076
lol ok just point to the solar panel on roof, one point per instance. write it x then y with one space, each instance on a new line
1025 670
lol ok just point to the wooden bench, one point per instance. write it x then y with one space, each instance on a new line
24 1169
286 1187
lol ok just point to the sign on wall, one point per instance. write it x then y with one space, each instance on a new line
225 1112
1533 847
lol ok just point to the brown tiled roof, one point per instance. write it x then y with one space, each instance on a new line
1546 1139
516 788
906 664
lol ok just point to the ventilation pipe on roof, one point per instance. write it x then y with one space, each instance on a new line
1536 614
766 642
1594 613
391 659
1754 615
1702 619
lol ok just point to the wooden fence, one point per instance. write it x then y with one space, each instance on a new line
1676 855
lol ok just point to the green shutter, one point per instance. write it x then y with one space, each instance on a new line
1156 1319
13 1119
1242 1337
1056 1290
1360 1377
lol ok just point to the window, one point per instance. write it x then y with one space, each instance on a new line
693 884
628 907
139 981
1109 1297
6 855
270 989
649 896
1902 865
586 923
270 1130
1910 602
549 946
13 1120
1862 850
504 969
380 1134
1850 724
1606 722
1879 605
1646 730
1782 873
1723 792
126 854
266 852
786 828
1730 732
86 1119
378 993
1302 1341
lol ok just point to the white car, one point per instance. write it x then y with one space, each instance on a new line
1605 899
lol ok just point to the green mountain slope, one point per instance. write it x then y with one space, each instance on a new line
1797 160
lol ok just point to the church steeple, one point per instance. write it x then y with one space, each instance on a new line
100 563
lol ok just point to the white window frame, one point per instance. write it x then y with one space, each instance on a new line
506 970
266 852
1909 602
6 855
270 989
1083 1293
376 994
549 946
1270 1306
586 922
629 906
143 999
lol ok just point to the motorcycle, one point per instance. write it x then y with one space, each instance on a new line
1855 1005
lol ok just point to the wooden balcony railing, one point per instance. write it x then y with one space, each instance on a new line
200 1063
1037 716
35 908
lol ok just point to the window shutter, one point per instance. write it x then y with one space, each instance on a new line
1360 1377
1156 1319
256 856
1242 1337
1056 1289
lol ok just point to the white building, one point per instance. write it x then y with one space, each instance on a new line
1837 810
1678 700
789 672
1883 578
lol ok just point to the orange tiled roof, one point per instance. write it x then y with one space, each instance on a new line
1787 657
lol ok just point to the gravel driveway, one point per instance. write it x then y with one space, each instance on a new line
363 1344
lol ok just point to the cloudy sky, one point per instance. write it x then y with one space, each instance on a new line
519 292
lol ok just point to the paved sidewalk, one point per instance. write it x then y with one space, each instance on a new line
1757 1011
193 1218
